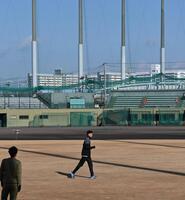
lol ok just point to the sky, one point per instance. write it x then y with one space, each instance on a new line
57 34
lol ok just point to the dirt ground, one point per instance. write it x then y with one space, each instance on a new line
125 170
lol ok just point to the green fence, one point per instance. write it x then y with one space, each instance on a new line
82 119
141 117
170 118
127 117
115 117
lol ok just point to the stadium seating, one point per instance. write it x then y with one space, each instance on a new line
126 101
146 99
162 101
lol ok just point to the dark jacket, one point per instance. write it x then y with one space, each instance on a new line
86 149
10 171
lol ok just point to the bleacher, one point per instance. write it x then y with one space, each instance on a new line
126 101
162 101
21 102
146 99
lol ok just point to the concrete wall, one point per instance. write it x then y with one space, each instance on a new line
43 117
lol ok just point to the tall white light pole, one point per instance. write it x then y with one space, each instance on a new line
162 53
80 47
123 43
34 45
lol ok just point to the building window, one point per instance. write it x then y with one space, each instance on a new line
43 116
13 117
23 117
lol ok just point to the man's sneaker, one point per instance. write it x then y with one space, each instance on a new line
93 177
70 175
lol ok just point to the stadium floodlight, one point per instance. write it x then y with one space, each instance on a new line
162 54
123 41
80 47
34 45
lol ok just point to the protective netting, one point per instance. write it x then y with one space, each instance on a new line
93 84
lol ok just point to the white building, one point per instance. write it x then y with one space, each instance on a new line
155 69
56 79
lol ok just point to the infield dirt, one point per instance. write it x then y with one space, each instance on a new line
125 170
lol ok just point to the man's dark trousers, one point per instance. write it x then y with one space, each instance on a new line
9 189
81 163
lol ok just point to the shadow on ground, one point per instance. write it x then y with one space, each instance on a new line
66 174
106 163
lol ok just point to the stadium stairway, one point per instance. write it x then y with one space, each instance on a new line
45 99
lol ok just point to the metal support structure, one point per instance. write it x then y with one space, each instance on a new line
80 47
162 53
34 45
123 41
105 82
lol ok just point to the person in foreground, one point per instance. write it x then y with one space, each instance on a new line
10 175
86 156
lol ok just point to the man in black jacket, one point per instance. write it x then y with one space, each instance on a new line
86 156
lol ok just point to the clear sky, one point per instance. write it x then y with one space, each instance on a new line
57 31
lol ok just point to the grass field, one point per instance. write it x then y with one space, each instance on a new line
125 170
